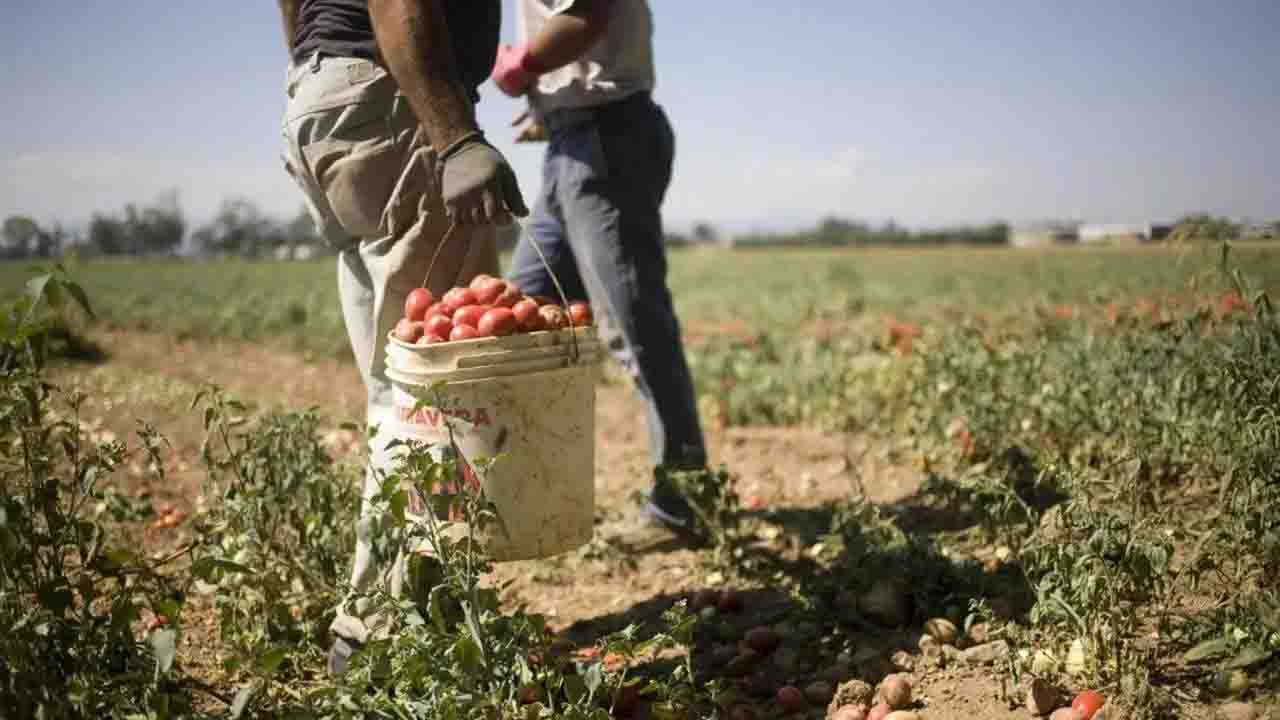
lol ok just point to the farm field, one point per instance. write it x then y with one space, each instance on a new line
972 469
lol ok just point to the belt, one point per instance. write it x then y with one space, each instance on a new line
570 117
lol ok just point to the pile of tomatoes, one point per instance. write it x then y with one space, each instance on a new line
488 307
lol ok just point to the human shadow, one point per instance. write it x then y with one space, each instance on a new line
809 586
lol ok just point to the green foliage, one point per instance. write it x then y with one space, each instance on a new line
276 542
71 591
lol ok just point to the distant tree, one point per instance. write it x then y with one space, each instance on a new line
108 235
1204 228
50 244
240 228
22 236
705 233
158 229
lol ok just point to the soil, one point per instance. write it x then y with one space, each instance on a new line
783 472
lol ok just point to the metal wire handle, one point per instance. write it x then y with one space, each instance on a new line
573 330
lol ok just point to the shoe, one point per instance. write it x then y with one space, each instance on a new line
340 653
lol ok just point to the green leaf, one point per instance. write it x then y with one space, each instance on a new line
435 606
1249 655
56 598
467 654
205 568
593 677
36 287
81 299
165 644
574 688
399 501
1208 649
269 661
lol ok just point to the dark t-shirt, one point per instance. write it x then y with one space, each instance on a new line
342 28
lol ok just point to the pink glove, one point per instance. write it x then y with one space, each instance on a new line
515 70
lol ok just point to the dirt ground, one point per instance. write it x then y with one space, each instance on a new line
600 588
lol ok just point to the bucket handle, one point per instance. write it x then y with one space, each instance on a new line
573 330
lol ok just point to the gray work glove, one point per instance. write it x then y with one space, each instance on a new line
477 184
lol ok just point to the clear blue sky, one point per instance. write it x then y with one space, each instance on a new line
927 113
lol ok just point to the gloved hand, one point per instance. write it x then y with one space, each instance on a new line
477 184
515 70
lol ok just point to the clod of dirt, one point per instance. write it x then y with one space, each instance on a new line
895 691
837 672
722 655
530 694
942 630
1066 714
852 692
987 653
730 601
819 692
979 634
1042 697
704 599
761 684
879 712
742 663
849 712
625 700
762 639
902 660
888 603
1237 711
1042 663
786 661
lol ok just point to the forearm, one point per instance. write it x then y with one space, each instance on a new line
413 37
289 16
565 37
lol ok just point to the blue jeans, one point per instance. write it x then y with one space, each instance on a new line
598 221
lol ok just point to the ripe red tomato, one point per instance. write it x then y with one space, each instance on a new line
433 338
458 297
497 322
417 302
1087 703
440 309
470 315
790 698
438 325
525 311
463 332
553 316
580 313
488 291
479 280
408 330
509 297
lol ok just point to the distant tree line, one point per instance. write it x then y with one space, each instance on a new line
239 229
839 232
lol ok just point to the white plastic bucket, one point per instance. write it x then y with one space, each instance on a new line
527 402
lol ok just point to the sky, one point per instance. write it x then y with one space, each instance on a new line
926 113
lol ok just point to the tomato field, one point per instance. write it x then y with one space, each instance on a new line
950 483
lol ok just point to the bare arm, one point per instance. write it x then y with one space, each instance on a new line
289 15
414 39
565 37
